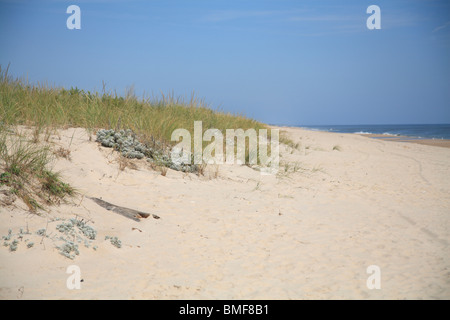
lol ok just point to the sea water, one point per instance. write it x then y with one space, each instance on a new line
417 131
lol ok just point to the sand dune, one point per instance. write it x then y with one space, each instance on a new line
342 203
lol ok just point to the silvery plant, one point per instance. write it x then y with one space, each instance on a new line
126 142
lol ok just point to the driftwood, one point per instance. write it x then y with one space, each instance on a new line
126 212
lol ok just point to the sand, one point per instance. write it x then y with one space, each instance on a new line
344 203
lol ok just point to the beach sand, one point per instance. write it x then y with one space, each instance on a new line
342 203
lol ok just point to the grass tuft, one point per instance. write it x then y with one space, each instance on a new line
24 168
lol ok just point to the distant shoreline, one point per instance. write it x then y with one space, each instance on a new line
435 142
421 134
417 131
429 142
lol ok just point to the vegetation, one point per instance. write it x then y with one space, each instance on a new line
337 147
24 168
46 108
24 161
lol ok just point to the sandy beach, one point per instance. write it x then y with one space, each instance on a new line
339 204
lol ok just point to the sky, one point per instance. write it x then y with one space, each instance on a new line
281 62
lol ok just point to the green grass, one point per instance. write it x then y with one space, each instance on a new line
288 168
337 147
46 108
25 169
284 138
24 164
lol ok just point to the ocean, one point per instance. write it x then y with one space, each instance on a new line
416 131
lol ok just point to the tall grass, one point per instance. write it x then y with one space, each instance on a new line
46 107
24 165
24 168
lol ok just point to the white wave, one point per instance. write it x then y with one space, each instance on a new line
391 134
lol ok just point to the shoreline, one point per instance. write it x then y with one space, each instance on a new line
444 143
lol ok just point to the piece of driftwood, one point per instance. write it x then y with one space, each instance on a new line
126 212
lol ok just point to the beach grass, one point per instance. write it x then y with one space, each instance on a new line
47 108
25 170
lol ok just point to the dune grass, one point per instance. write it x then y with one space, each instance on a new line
45 109
25 169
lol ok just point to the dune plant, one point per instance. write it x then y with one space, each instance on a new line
24 167
152 118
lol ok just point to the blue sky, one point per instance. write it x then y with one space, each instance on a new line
282 62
